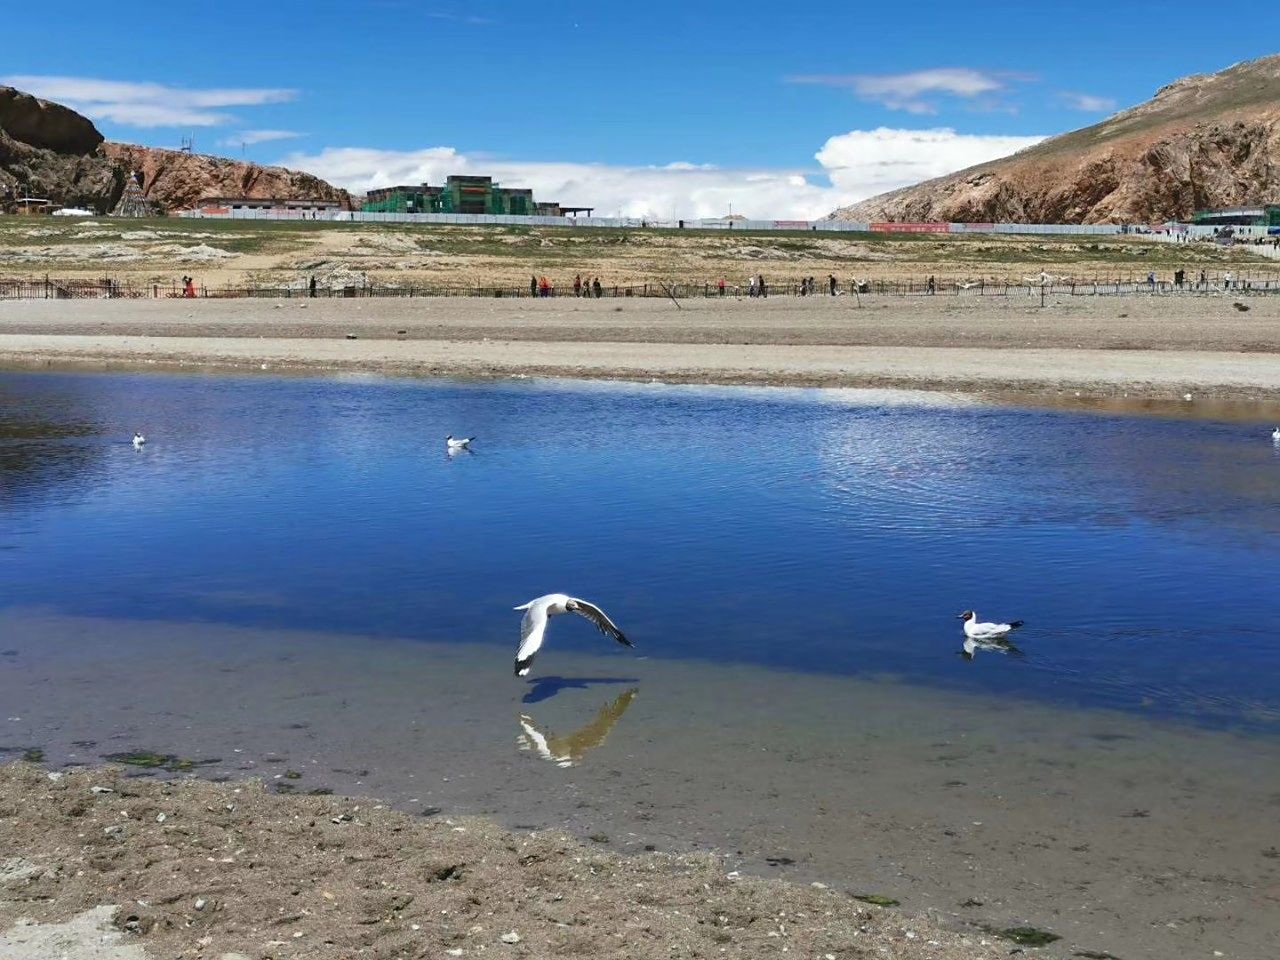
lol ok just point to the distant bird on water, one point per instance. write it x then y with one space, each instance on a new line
138 440
1275 434
985 631
457 443
533 627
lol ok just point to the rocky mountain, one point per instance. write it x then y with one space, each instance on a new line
51 152
1209 140
175 180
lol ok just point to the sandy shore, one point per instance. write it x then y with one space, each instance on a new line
1158 347
99 866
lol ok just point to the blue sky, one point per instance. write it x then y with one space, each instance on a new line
573 97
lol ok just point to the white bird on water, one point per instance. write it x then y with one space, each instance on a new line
1275 434
138 440
986 631
533 627
457 443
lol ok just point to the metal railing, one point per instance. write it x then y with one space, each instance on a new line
1237 283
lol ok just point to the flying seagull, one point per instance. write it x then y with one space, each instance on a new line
533 627
457 443
138 440
986 631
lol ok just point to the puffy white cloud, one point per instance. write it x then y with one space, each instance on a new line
904 91
147 104
250 138
867 162
1087 102
853 166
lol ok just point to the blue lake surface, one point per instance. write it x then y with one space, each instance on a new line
826 531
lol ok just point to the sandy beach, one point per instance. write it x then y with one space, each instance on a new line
1137 346
100 866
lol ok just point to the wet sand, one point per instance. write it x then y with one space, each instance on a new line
1140 346
1119 833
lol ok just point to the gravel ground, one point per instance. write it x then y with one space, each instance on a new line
100 866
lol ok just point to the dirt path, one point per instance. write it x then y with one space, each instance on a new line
1150 347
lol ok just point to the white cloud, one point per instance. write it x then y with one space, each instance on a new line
1088 102
147 104
905 91
251 138
853 166
868 162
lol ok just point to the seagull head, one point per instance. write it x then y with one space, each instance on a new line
967 615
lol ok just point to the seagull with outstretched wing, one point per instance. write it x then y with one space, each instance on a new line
533 627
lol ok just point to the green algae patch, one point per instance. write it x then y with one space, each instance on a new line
33 755
1027 936
149 760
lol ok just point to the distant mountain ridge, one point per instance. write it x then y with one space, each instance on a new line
51 152
1209 140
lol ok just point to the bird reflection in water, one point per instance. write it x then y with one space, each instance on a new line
567 750
972 646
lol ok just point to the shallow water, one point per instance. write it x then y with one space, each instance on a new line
826 531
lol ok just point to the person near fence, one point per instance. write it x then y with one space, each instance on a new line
1204 280
1228 279
763 287
595 286
804 286
931 285
188 287
311 286
751 285
832 286
1179 276
544 287
577 285
533 286
720 286
1151 279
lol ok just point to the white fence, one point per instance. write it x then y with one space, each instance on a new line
752 226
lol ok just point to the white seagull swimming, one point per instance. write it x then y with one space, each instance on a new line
533 627
457 443
985 631
1275 434
138 439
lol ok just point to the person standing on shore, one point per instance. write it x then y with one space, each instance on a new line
720 286
751 286
533 286
577 285
832 285
599 290
311 287
764 289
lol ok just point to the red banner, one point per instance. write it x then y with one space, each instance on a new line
911 227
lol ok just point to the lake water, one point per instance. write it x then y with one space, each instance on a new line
293 573
829 531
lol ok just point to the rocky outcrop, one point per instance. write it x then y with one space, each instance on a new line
51 152
1203 141
174 180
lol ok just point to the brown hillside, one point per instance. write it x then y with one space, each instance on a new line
1203 141
51 152
175 180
